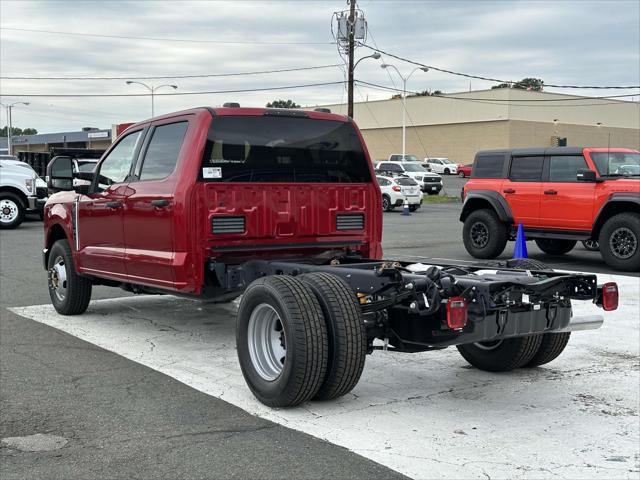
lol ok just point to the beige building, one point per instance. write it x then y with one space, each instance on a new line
457 125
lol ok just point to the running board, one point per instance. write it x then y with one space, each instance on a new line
586 322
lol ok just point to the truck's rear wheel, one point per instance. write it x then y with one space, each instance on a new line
281 339
555 246
551 346
620 242
483 234
501 355
345 330
70 293
11 210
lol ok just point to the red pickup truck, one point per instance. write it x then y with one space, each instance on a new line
282 207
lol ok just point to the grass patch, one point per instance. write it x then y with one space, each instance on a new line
427 199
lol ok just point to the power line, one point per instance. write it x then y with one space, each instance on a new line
164 77
497 80
172 94
159 39
492 100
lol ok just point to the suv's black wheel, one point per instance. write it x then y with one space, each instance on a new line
386 204
591 245
345 330
484 235
70 293
551 346
620 241
554 246
11 210
501 355
281 337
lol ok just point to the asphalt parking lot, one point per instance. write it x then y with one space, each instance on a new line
128 390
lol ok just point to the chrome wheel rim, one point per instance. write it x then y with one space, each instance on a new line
488 345
479 235
623 243
8 210
58 279
267 342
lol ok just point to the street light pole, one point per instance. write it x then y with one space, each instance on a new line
152 90
9 108
404 100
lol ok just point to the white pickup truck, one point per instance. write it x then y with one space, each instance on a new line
21 191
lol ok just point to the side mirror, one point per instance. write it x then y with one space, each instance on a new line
60 174
586 175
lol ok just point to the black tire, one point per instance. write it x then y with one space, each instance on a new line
591 245
620 242
554 246
304 338
447 171
501 356
12 210
345 331
461 174
551 346
77 292
413 208
527 264
386 204
484 222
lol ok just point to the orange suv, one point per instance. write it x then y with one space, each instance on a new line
561 195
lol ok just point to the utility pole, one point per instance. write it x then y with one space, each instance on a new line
9 108
351 27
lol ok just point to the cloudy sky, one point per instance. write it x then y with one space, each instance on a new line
561 41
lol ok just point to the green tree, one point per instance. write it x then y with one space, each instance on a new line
17 131
528 83
283 104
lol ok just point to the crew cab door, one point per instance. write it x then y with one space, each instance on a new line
566 203
99 229
523 188
149 208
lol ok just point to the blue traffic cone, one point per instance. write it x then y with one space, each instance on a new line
521 244
405 207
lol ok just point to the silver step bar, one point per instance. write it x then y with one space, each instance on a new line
585 322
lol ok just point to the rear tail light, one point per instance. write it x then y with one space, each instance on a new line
456 313
396 188
610 296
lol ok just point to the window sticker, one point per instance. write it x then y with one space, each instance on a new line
212 172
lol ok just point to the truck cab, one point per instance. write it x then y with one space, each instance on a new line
22 191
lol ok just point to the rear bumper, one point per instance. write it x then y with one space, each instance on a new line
585 322
431 187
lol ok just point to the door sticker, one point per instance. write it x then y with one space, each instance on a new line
212 172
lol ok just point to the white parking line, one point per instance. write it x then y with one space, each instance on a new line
425 415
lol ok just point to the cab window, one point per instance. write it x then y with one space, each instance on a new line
526 169
116 167
565 168
488 166
162 154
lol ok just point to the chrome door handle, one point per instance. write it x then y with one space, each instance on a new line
159 203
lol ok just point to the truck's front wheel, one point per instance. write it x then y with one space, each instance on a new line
70 293
281 339
501 355
11 210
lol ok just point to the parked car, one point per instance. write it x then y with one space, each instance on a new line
397 157
395 190
560 195
430 183
21 192
251 202
442 165
464 171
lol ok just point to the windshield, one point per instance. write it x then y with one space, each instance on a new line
84 166
617 163
411 158
283 149
414 167
406 182
446 160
